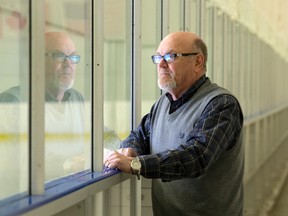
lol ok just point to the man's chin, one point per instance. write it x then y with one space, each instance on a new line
64 86
167 86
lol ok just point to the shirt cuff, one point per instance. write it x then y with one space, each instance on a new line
150 166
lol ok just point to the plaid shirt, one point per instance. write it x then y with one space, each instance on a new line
216 131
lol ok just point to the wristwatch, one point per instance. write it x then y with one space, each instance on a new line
136 167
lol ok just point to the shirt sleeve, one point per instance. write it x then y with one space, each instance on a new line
216 131
139 139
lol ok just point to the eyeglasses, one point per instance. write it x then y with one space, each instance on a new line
61 57
169 57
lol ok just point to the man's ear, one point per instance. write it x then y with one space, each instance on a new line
199 63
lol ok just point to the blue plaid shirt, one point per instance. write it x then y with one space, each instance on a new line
220 124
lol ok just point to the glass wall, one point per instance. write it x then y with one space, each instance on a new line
150 92
14 60
175 16
117 91
67 87
117 70
151 28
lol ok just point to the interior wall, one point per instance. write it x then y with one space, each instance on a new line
267 19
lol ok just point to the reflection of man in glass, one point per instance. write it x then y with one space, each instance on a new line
60 68
64 108
60 72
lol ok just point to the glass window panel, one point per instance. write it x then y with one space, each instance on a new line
227 55
150 40
218 47
14 58
117 78
175 16
117 90
68 99
192 22
207 35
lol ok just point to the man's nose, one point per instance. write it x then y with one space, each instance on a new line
162 63
67 61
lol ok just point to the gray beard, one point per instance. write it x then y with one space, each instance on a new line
168 86
62 86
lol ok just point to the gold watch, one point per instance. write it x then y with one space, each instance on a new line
136 167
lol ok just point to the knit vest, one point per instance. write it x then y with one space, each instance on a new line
217 192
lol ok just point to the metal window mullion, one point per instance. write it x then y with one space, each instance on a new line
200 17
36 98
165 18
135 185
97 86
98 200
159 20
182 14
136 62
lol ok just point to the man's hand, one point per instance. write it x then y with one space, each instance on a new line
119 161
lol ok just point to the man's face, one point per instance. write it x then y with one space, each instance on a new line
175 77
60 75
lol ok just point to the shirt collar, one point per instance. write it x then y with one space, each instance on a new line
187 95
50 98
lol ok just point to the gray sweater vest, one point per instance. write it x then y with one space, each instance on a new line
217 192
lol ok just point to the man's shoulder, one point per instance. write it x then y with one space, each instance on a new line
10 95
75 95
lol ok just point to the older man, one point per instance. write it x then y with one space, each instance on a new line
190 143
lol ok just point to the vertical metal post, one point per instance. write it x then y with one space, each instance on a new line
165 18
97 85
36 93
135 185
187 15
97 100
182 14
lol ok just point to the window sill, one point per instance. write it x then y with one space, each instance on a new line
80 185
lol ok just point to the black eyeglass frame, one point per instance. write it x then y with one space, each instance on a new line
64 57
168 56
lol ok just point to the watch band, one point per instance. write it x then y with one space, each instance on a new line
137 173
136 167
